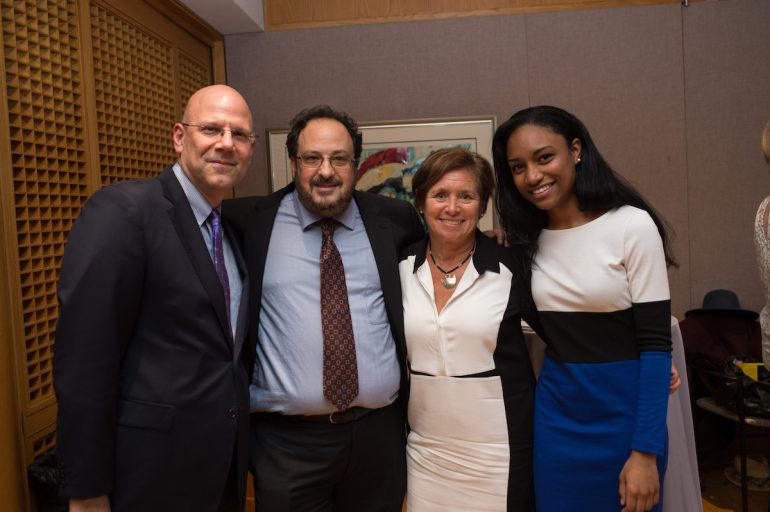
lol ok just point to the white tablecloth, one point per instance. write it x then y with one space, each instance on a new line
681 487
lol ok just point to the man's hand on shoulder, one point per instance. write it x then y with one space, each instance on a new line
99 504
499 235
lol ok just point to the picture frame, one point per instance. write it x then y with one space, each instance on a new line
393 150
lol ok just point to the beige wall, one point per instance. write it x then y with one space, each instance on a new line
727 65
674 96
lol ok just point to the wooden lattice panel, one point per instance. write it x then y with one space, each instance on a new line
44 444
135 100
192 76
40 49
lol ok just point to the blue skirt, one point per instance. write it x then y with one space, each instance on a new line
585 416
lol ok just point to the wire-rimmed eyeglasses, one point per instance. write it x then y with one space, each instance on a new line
211 131
313 161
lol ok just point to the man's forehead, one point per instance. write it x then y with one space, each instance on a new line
323 130
219 106
219 118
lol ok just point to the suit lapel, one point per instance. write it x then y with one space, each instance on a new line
380 232
190 234
258 229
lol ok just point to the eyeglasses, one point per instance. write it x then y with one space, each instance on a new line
312 161
210 131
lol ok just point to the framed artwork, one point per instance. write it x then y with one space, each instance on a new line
393 151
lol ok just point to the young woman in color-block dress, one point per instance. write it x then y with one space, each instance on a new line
595 254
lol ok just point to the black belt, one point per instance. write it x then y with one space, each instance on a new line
336 417
488 373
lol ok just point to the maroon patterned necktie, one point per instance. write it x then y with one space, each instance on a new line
340 368
219 255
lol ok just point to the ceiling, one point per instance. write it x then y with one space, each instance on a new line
230 16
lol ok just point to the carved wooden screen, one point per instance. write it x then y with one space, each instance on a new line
74 118
135 100
50 182
191 76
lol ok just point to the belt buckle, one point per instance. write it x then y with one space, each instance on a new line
331 417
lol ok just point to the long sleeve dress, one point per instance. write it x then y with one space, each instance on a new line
472 387
601 291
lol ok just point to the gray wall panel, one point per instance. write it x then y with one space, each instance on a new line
727 65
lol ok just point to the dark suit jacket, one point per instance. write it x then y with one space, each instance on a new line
390 226
152 390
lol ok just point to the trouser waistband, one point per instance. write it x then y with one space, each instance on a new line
336 417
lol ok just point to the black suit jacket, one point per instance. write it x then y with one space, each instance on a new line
151 387
390 225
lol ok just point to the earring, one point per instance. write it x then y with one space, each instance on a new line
578 161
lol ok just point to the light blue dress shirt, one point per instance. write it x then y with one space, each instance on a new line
288 372
202 209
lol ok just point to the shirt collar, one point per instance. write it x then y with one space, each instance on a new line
308 218
200 206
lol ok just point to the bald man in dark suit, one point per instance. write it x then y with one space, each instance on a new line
150 382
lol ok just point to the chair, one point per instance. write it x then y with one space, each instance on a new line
739 416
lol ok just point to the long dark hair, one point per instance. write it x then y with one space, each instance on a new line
597 186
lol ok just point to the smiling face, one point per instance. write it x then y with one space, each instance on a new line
326 190
452 208
543 168
214 163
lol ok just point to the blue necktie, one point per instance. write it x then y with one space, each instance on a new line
219 255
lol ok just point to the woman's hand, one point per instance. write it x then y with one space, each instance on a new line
675 381
639 485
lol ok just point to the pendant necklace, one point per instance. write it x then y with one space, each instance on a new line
449 280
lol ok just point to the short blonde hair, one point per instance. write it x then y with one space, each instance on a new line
766 142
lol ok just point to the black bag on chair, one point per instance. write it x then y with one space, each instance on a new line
756 394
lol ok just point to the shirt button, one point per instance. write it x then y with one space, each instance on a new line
232 413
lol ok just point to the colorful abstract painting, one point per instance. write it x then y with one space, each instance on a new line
389 171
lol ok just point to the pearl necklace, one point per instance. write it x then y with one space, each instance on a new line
449 280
